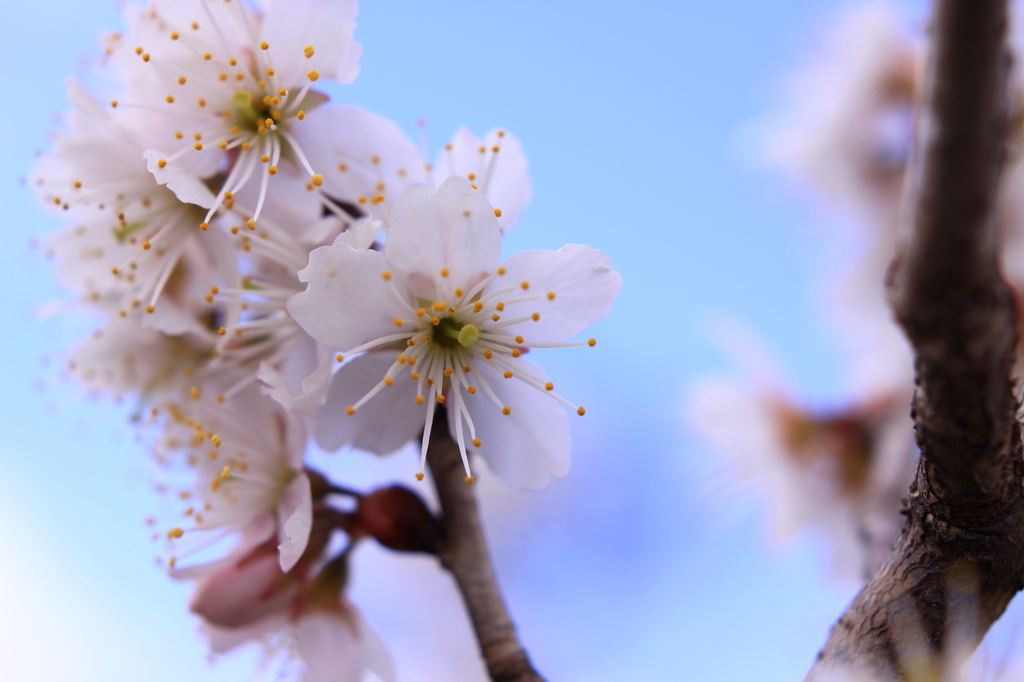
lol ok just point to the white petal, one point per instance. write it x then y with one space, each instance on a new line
256 533
454 229
327 25
502 176
222 640
330 648
314 387
528 446
295 519
246 592
362 234
375 654
372 148
274 385
385 424
185 185
584 284
347 302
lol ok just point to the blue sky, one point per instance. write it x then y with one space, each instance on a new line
638 565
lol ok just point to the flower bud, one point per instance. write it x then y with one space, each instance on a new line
398 519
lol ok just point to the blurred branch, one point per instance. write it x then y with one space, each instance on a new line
463 551
959 560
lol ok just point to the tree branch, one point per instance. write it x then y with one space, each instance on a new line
463 552
960 558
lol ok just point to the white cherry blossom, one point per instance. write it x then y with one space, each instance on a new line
442 321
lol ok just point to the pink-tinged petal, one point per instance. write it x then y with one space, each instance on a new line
528 446
290 25
453 231
375 655
330 646
502 176
221 640
255 534
359 153
244 593
383 425
582 280
186 185
314 386
347 301
295 520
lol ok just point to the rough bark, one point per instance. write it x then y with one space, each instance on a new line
463 551
960 558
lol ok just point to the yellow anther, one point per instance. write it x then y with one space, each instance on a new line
282 92
174 35
114 271
399 322
444 273
264 45
193 392
419 477
216 440
150 308
197 136
471 388
469 479
507 374
549 386
374 159
223 144
308 51
251 224
477 442
234 229
146 245
317 180
246 146
339 357
201 102
410 342
195 26
439 306
435 320
178 134
448 371
269 122
113 103
198 146
170 99
501 270
222 331
223 76
386 275
272 170
499 306
551 295
459 292
516 352
524 284
388 381
171 562
412 362
495 149
162 163
233 61
506 410
439 399
138 50
181 80
215 484
420 312
519 339
474 186
207 56
204 226
535 317
264 158
343 167
497 213
471 177
270 71
488 353
224 473
478 306
145 57
175 533
313 75
377 199
420 400
414 375
501 133
580 411
495 317
591 342
301 115
350 410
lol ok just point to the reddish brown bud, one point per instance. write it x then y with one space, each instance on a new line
399 519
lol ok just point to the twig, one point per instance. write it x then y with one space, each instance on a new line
960 558
463 552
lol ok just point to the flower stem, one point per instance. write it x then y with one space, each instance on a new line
463 552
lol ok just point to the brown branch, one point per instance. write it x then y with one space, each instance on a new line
463 552
960 558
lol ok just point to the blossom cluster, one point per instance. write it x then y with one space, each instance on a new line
272 269
847 469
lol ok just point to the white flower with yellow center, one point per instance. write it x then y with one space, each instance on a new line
223 93
440 320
